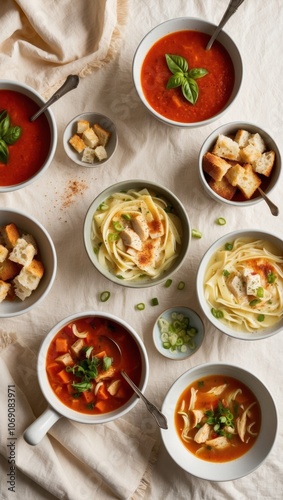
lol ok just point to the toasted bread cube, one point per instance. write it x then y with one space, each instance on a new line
249 154
88 155
4 290
264 164
244 178
82 125
102 134
90 138
77 143
3 253
31 275
10 234
226 148
21 291
23 252
234 174
223 188
242 138
257 141
215 166
8 270
100 153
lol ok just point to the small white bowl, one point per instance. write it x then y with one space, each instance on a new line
181 24
93 118
206 308
230 129
159 191
195 322
47 255
36 97
234 469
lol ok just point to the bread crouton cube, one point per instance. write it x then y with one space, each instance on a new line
247 180
82 125
234 174
21 291
8 270
10 235
4 290
223 188
90 138
264 164
102 134
77 143
257 141
242 138
23 252
88 155
226 148
3 253
100 153
30 275
215 166
249 154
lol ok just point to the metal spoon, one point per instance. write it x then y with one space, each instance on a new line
273 208
71 83
231 9
159 417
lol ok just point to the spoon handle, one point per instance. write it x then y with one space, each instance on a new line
71 83
159 417
231 9
273 208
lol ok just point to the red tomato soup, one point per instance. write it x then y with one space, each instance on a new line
215 88
28 153
84 371
218 418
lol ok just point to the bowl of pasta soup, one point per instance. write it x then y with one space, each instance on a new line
240 284
137 233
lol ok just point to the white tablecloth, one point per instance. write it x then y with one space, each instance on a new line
150 150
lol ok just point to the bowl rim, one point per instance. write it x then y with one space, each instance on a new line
54 263
235 125
32 93
247 336
215 471
87 226
223 36
84 115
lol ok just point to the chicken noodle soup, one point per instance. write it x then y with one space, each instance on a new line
83 365
136 235
218 418
244 284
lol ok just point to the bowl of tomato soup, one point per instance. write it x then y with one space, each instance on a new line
180 82
222 422
79 371
26 148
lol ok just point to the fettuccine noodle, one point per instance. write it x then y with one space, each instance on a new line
136 235
244 285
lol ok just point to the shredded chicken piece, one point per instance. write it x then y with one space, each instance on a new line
202 434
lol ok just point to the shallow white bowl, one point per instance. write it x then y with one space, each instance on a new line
195 321
180 24
36 97
217 323
105 123
159 190
231 129
227 471
47 254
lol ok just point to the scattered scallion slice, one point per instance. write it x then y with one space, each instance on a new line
181 285
140 306
221 221
168 283
177 334
154 301
104 296
196 233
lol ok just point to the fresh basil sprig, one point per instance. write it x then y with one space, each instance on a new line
184 77
8 135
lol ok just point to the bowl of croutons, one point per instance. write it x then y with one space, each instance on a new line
90 139
28 262
236 160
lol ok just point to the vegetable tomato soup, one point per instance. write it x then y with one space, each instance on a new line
218 418
215 88
28 153
83 366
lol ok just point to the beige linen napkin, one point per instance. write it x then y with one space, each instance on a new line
73 461
42 42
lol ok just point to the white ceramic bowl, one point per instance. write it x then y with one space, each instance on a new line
194 322
93 118
34 96
159 191
227 471
206 308
230 129
172 26
56 409
47 253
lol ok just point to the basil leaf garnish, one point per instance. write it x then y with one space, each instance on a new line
3 151
183 77
8 135
12 135
4 124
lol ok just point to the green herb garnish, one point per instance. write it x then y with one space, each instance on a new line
184 77
8 135
219 419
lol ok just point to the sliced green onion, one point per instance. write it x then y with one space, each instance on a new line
271 277
181 285
140 306
260 292
117 226
254 302
260 317
154 301
104 296
103 206
168 283
126 216
217 313
196 233
226 273
221 221
229 246
113 236
176 333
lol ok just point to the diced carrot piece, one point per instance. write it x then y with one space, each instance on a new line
176 101
64 376
102 393
58 389
61 345
101 354
75 402
88 396
52 369
101 406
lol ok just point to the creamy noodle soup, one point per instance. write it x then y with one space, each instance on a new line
244 284
218 418
136 235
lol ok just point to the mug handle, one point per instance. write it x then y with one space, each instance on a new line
37 430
